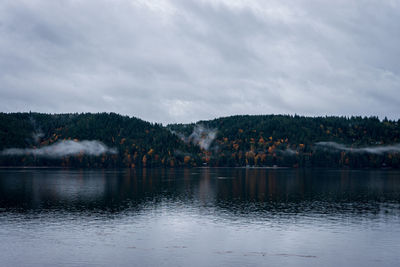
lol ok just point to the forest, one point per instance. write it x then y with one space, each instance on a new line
109 140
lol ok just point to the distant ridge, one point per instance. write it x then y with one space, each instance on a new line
109 140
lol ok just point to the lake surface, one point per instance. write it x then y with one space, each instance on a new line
199 217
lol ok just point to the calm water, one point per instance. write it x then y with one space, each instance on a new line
199 217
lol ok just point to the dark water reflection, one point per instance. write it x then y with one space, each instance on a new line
213 217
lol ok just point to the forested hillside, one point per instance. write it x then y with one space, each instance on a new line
137 143
297 141
112 140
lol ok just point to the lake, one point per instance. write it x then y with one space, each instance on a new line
199 217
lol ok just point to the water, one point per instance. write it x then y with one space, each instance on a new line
199 217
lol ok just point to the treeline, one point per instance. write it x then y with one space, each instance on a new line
267 140
290 141
138 143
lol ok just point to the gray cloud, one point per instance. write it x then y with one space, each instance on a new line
370 150
63 148
186 60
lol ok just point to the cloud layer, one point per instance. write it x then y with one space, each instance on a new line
63 148
185 60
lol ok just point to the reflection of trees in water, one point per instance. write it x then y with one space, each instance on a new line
246 191
78 190
265 191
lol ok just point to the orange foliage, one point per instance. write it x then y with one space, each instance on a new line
144 160
186 159
271 149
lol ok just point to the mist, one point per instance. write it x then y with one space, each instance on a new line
63 148
288 151
370 150
201 136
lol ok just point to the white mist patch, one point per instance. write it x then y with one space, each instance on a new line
288 151
371 150
201 136
63 148
37 136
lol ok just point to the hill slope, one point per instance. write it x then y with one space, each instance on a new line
112 140
266 140
137 143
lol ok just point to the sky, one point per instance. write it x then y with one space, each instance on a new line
172 61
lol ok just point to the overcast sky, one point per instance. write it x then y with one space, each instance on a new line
182 61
